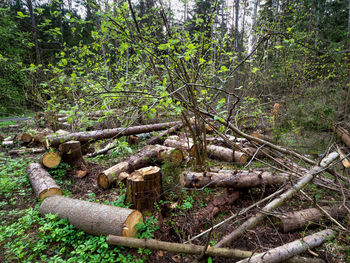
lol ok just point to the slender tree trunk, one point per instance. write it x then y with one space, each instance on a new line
34 32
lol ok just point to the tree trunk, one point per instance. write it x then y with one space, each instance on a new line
144 157
34 32
226 154
50 159
219 204
144 188
108 133
253 221
234 179
299 219
161 137
41 181
282 253
93 218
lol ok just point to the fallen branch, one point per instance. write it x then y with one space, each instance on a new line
253 221
192 249
161 137
291 249
108 133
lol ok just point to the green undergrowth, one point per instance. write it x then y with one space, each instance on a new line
26 236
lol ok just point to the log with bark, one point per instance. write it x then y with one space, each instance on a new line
93 218
220 204
192 249
89 136
42 183
183 145
50 159
161 137
282 253
253 221
343 134
226 154
144 187
25 150
233 179
71 154
342 156
294 220
144 157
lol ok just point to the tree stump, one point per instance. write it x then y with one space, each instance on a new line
144 187
71 154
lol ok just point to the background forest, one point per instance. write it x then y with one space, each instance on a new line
79 55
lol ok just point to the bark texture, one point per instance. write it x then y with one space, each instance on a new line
299 219
192 249
282 253
42 183
93 218
144 187
233 179
108 133
219 204
71 154
226 154
143 158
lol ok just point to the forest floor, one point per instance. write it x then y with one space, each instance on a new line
25 236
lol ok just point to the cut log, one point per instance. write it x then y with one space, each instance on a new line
144 157
282 253
26 137
26 150
343 134
161 137
41 181
7 143
144 188
71 154
192 249
342 156
226 154
294 220
253 221
219 204
93 218
50 159
234 179
184 146
108 133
